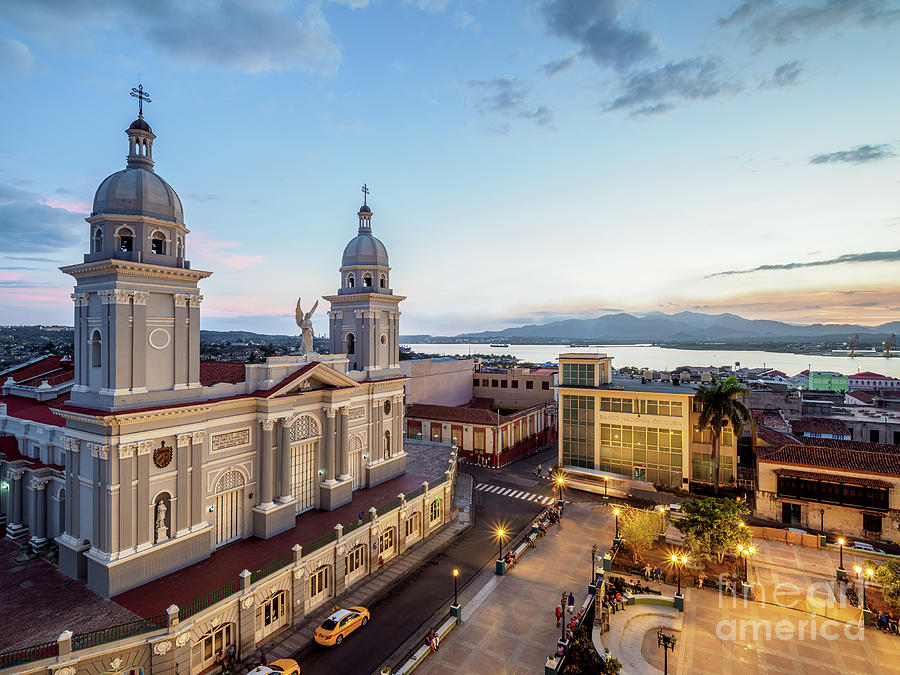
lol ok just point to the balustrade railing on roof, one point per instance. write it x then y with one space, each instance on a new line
209 599
18 657
118 632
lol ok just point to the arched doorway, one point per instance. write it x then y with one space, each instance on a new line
356 461
229 507
304 449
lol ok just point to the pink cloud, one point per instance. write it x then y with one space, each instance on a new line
74 206
10 276
217 252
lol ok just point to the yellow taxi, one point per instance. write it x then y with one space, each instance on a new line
340 624
279 667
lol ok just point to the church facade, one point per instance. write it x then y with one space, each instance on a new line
156 458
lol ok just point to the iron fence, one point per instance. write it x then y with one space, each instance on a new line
119 632
272 566
319 542
209 599
17 657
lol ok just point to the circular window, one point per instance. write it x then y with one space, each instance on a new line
384 339
387 407
159 338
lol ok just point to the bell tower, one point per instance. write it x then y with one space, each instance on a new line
137 304
364 320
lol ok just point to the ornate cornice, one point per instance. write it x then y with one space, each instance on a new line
129 268
363 296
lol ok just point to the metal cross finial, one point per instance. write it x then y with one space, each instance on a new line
365 192
141 96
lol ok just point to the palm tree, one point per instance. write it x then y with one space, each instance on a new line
719 406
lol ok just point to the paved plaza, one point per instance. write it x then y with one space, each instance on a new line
508 624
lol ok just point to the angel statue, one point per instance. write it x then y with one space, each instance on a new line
305 323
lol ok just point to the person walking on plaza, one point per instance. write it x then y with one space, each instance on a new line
540 470
558 615
571 603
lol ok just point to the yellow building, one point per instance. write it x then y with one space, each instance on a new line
625 431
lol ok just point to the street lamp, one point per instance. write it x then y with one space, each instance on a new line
593 558
678 562
560 482
841 543
562 606
662 518
500 535
616 512
746 553
455 586
869 573
667 642
822 521
606 486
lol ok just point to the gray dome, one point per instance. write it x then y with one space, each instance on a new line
139 123
138 191
365 250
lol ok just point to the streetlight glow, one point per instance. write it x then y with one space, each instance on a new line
858 569
456 573
841 541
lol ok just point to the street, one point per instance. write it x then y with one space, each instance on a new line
412 601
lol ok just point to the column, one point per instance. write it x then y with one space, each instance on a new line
284 451
193 331
81 336
345 443
181 345
139 342
100 456
197 492
265 464
182 522
39 526
328 439
397 433
126 496
373 432
15 496
142 506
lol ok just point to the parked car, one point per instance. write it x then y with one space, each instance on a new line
279 667
340 624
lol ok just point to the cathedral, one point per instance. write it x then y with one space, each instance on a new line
137 457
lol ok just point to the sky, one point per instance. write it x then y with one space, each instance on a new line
528 160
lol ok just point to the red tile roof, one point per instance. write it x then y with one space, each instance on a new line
832 478
36 411
445 413
863 395
819 425
54 369
840 444
869 375
773 438
214 372
876 462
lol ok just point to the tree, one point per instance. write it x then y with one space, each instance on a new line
713 527
888 575
719 406
638 529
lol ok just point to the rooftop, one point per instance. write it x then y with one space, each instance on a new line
819 425
875 461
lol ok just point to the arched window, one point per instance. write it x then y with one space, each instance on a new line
126 240
351 344
382 282
350 281
367 280
96 349
434 511
97 240
158 243
387 444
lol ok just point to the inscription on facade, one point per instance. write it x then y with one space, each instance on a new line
231 439
356 413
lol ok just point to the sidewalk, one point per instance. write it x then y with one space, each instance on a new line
508 622
287 643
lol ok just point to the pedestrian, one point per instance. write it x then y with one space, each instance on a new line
571 603
657 573
262 658
701 579
647 570
434 640
540 470
558 615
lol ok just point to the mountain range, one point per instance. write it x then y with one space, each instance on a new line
684 327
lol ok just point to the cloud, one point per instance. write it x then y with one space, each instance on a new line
559 66
784 76
218 252
508 96
596 26
465 20
861 154
434 6
353 4
29 225
770 21
257 36
647 92
32 258
15 55
871 256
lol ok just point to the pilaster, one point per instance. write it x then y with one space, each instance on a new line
197 492
284 453
265 464
328 441
126 496
182 521
345 443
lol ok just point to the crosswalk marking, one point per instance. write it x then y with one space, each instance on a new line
515 494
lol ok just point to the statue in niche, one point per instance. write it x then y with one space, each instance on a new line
304 321
162 532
